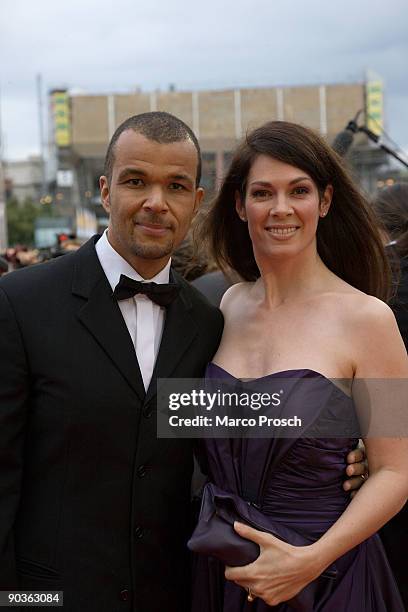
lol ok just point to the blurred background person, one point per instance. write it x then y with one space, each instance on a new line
197 267
213 284
27 257
3 266
391 206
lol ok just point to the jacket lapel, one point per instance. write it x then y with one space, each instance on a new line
179 332
101 316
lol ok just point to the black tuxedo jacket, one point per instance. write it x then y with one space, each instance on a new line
91 502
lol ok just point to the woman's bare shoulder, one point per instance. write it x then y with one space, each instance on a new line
374 338
355 303
360 307
371 318
359 312
367 332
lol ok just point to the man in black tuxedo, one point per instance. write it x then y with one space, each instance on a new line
92 503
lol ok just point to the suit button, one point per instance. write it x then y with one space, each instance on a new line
124 595
138 532
141 471
148 411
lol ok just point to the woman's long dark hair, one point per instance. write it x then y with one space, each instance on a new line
348 240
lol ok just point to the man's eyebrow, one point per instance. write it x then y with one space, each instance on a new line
134 171
181 177
292 182
131 171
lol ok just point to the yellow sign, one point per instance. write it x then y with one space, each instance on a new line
374 106
60 113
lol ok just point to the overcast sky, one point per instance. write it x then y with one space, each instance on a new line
115 46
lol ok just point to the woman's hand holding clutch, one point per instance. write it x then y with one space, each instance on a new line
280 571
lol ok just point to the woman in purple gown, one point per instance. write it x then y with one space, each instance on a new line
290 221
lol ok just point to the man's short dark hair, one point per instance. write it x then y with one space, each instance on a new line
158 126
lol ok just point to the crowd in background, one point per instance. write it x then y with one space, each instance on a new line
21 256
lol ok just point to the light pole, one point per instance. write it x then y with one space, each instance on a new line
41 134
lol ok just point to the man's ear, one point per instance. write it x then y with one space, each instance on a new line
198 199
104 190
325 200
240 207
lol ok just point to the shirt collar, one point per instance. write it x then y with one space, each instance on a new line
114 265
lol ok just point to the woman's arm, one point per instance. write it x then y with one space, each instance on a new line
282 570
380 397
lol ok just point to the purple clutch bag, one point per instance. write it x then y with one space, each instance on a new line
215 536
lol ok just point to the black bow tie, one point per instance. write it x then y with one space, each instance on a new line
163 294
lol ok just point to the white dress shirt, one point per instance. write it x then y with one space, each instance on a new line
144 319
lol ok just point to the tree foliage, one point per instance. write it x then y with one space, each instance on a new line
21 218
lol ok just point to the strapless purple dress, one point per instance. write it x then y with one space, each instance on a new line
301 481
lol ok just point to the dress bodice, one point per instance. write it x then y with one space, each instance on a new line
297 479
